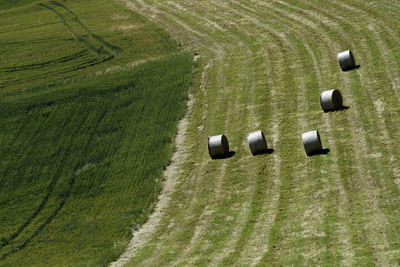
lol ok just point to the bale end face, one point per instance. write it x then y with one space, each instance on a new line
218 146
346 60
312 143
257 143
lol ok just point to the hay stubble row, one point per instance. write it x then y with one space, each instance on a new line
331 100
312 212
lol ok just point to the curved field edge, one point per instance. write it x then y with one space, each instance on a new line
264 65
82 157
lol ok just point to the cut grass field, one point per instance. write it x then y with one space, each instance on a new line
264 64
90 97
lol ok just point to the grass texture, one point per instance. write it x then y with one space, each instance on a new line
91 94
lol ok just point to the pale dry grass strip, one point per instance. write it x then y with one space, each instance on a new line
311 217
171 174
362 143
199 232
258 242
344 231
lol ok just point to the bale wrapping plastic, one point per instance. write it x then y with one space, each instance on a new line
218 146
346 60
257 143
312 143
331 100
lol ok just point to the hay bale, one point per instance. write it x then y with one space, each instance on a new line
218 146
331 100
312 143
346 60
257 143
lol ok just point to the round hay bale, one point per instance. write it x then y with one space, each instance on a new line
257 143
312 143
346 60
218 146
331 100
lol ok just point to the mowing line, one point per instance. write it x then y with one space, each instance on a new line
260 42
344 231
258 241
392 200
301 97
361 141
229 244
203 87
382 127
347 249
363 137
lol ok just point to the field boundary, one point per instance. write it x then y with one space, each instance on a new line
171 174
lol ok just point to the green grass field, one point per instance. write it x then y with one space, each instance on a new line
82 177
90 97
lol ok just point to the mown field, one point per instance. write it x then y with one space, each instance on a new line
90 97
264 64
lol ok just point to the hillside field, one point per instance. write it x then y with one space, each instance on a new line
90 97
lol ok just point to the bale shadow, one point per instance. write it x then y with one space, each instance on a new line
270 151
339 109
324 151
266 152
227 156
353 68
